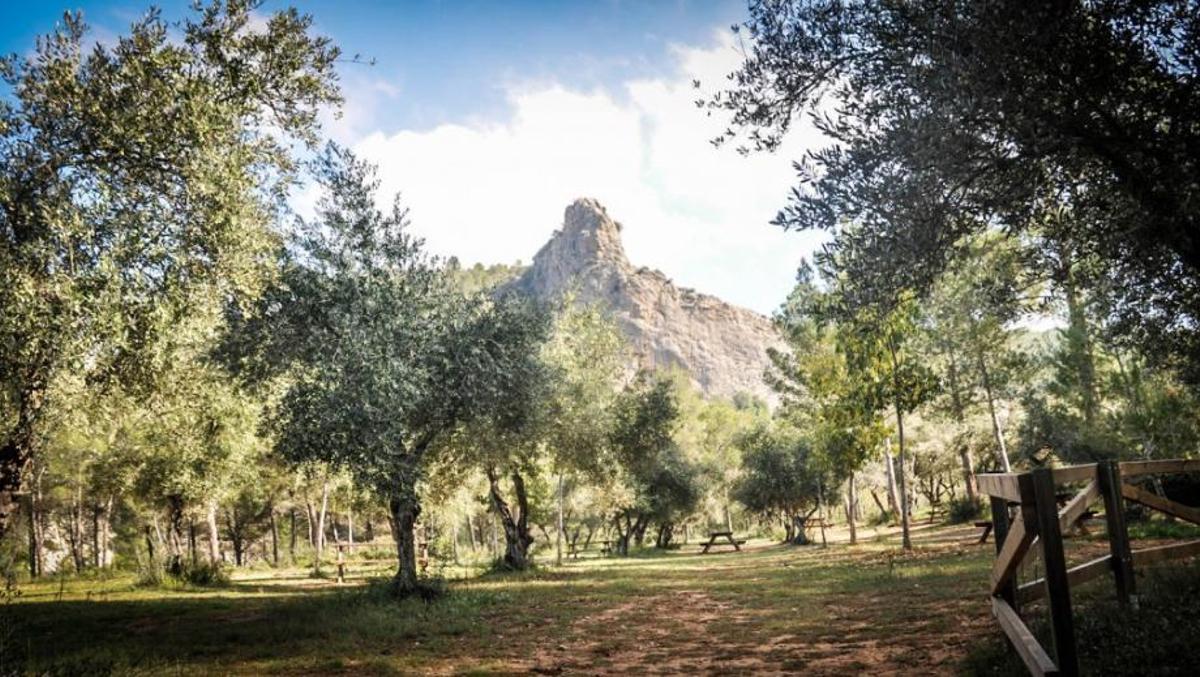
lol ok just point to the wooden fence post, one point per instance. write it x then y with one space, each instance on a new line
1000 531
1118 535
1058 587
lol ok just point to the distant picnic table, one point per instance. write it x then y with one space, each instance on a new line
727 535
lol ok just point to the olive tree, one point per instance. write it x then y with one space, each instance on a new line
139 181
383 358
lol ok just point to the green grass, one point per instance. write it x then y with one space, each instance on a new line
835 610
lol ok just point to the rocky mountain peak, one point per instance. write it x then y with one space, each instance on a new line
588 235
721 346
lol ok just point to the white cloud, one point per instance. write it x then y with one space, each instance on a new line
495 191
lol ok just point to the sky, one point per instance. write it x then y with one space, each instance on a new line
490 118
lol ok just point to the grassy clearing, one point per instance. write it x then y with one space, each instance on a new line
769 608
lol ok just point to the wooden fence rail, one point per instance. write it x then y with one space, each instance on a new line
1026 514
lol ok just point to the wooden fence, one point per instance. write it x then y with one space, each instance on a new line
1026 513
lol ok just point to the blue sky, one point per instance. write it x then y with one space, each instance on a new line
489 117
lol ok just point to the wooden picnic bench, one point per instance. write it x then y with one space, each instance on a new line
986 525
727 535
1080 523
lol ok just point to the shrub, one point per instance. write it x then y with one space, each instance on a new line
150 574
204 574
153 574
965 510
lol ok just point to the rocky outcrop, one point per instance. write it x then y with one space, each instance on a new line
723 347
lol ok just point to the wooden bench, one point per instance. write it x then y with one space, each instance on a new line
987 529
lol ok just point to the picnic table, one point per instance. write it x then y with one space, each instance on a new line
1061 498
727 535
574 548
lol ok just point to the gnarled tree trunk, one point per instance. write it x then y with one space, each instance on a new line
19 445
404 513
517 537
175 534
666 531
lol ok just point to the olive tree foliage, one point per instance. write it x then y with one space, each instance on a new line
139 181
707 434
660 485
782 476
383 358
556 423
946 119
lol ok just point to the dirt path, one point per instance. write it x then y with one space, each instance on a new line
786 611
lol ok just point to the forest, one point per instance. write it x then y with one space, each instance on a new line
201 390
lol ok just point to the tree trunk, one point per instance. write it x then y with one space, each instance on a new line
878 503
454 540
821 512
76 527
1001 447
471 535
728 512
274 537
960 437
234 526
558 534
319 532
799 534
192 559
350 529
35 536
890 467
851 508
906 538
292 535
175 534
149 545
639 531
214 534
97 554
311 520
625 531
665 531
19 446
517 538
404 513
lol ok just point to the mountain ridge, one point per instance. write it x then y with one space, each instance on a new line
721 346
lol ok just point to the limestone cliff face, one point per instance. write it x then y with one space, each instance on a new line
722 347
